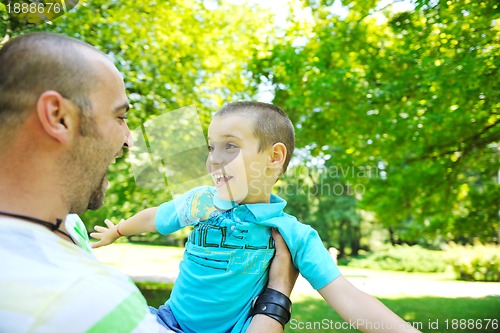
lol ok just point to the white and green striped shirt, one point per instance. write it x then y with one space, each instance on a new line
50 285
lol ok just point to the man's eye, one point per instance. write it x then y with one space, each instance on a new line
123 117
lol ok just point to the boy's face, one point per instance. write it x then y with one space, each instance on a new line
237 167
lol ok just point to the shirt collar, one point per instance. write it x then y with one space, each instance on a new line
261 211
223 204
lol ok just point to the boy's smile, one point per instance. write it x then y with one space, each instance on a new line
220 179
237 167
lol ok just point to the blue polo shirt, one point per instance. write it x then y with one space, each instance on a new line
228 252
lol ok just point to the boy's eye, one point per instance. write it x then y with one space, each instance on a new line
227 146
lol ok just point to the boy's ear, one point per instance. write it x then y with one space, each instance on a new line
55 115
277 156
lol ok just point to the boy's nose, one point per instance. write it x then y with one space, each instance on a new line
215 158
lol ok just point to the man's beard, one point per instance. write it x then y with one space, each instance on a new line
89 131
96 199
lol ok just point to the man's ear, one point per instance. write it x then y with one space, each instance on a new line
55 115
277 156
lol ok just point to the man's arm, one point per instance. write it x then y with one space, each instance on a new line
282 277
144 221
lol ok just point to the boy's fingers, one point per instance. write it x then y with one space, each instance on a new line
96 245
109 223
96 235
100 229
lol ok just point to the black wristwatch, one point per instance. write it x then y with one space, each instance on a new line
273 304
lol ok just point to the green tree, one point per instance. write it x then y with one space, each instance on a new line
173 54
414 91
324 198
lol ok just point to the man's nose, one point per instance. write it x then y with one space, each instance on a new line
129 140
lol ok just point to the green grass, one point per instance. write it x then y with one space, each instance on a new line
428 314
141 259
154 292
423 311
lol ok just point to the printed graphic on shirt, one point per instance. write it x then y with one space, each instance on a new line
250 261
221 244
241 261
202 205
221 240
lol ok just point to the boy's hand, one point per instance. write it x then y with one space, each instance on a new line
105 235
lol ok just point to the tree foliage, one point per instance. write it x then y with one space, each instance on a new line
413 92
408 90
173 54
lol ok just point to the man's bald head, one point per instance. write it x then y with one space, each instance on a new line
37 62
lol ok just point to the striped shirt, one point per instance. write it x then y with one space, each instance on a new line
49 285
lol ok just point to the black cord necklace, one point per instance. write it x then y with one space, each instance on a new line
50 226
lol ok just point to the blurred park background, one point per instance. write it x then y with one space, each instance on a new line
396 106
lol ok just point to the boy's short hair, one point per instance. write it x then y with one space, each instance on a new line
271 125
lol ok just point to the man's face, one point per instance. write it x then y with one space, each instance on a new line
237 167
105 140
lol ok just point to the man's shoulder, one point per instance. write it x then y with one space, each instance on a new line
85 301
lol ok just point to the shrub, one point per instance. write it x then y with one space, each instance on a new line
475 263
403 258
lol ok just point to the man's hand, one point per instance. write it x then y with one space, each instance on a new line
105 235
282 273
282 277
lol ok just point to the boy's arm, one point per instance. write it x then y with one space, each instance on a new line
367 313
144 221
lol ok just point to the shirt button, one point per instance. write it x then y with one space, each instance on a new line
233 227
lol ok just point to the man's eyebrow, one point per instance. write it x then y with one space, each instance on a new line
120 107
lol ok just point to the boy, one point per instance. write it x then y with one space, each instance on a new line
227 254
